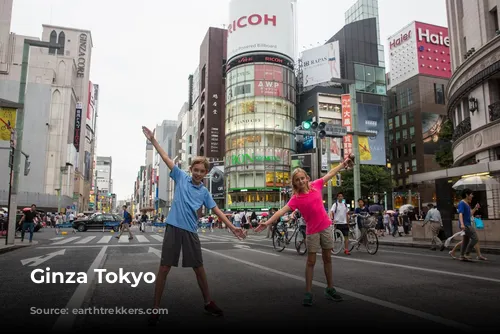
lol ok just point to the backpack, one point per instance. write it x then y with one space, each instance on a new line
244 219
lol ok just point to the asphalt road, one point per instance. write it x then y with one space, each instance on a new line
257 287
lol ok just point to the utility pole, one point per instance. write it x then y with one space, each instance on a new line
355 145
19 131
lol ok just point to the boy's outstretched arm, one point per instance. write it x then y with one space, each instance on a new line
150 135
237 231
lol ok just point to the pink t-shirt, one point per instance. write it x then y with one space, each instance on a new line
311 207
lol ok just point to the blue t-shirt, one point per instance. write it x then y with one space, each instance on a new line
188 199
465 210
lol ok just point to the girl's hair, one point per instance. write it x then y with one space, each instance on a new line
296 171
200 160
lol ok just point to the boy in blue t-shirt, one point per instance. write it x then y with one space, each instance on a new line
465 216
182 223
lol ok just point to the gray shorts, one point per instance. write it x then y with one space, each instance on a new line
176 239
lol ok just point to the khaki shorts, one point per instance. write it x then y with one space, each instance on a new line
321 240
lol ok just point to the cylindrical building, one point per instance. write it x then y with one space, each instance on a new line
260 103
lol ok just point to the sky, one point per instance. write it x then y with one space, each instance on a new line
144 52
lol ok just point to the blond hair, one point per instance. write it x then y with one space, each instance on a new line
295 189
200 160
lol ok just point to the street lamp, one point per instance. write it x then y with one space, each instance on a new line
19 133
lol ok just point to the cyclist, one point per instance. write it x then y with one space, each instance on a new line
339 214
362 211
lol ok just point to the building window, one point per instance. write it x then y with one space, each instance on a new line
400 168
405 134
439 93
414 165
53 40
413 149
61 41
370 79
410 96
398 135
494 21
412 131
396 121
405 150
403 119
390 123
411 118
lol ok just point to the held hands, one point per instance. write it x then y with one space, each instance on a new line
148 133
262 226
239 233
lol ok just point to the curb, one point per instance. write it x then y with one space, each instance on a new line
12 248
486 250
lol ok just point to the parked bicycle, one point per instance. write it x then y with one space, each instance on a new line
282 237
368 235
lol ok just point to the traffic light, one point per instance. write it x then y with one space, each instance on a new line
306 125
321 128
337 180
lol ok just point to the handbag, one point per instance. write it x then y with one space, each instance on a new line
479 223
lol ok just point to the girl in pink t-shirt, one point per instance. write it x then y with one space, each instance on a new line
308 199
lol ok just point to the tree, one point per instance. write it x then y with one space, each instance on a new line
444 156
374 180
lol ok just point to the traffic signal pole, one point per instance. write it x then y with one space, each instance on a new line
355 145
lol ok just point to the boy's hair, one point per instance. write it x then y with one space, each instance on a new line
466 192
295 190
201 160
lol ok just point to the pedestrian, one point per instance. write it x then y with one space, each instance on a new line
181 230
339 214
465 214
28 222
308 199
434 217
125 224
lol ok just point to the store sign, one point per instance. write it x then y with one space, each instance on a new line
82 52
78 125
347 122
260 58
239 159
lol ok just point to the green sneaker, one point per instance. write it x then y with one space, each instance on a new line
308 299
331 293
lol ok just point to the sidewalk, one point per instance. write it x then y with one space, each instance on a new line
407 241
17 245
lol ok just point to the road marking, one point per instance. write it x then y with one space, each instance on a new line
395 307
157 237
65 241
85 240
247 248
141 238
124 239
65 322
155 251
442 272
41 259
57 238
105 239
417 254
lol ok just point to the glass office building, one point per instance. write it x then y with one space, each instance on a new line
260 118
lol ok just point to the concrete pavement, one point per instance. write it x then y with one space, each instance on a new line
256 287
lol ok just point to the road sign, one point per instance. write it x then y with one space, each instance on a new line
35 261
336 130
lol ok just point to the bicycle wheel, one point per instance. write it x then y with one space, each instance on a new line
338 242
353 241
279 242
371 242
300 242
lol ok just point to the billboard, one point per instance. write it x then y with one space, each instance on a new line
419 48
321 64
268 81
261 25
217 179
346 122
371 149
7 121
78 125
91 106
303 161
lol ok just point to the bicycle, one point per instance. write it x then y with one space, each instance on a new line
281 239
338 240
368 234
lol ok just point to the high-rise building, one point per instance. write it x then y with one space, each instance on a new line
366 9
104 182
260 102
164 187
420 69
55 126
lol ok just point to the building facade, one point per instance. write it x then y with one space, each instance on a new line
420 69
260 103
104 182
57 100
164 190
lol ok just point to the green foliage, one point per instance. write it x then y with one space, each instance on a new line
444 156
374 179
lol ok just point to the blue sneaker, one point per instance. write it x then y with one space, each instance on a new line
308 299
331 294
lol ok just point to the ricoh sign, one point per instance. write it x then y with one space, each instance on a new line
260 25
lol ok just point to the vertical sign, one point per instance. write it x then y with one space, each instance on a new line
78 125
347 122
214 132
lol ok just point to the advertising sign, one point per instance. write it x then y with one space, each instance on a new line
7 121
268 81
259 58
217 179
347 122
90 109
78 124
261 25
303 161
371 149
321 64
419 48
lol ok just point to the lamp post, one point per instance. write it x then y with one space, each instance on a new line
19 132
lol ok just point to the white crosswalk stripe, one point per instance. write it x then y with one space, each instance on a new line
105 239
157 237
141 238
85 240
65 241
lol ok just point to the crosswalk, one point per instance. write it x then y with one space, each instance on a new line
137 239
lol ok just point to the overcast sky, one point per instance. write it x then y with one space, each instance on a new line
144 52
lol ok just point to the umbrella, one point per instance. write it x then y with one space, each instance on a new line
479 183
406 207
376 208
390 212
